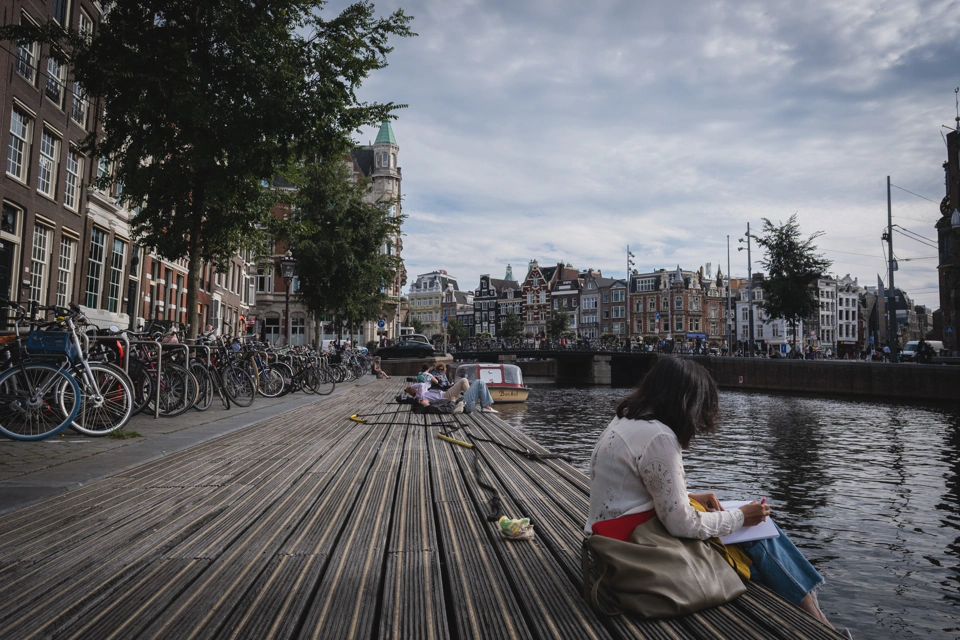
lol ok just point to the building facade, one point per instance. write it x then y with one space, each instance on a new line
426 298
493 299
948 245
536 303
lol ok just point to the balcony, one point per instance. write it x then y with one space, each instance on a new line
54 90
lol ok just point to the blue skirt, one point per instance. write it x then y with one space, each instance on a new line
779 566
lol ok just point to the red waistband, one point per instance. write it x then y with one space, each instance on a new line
621 528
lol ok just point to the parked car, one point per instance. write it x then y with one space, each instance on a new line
406 348
909 353
416 337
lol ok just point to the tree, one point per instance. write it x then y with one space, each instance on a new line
512 326
336 238
456 330
418 327
203 101
557 324
791 264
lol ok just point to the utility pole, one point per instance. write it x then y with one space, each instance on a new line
730 317
892 329
749 290
629 265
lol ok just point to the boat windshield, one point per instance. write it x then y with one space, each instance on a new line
508 373
512 374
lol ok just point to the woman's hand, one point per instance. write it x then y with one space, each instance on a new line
708 500
754 513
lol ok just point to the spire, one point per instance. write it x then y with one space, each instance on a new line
509 274
678 276
386 134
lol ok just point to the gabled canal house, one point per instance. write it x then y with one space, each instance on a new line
536 306
668 305
493 299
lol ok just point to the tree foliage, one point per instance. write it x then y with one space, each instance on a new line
456 330
203 101
512 326
791 265
336 238
557 324
416 324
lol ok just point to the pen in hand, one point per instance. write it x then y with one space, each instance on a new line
763 499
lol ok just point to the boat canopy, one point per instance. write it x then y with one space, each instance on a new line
491 373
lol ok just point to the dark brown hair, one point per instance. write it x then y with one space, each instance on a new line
680 394
424 367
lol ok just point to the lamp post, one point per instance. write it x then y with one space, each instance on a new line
287 267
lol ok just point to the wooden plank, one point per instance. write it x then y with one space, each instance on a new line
413 600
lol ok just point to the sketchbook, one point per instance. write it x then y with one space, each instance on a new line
763 531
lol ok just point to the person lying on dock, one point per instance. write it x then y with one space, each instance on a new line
473 394
636 475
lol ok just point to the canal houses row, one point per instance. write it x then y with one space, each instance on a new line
690 306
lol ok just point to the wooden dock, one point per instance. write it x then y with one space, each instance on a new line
311 525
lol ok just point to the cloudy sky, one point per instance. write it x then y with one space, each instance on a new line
565 131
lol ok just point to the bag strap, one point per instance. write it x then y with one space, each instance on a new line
591 591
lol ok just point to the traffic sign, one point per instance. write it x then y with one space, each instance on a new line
444 317
381 324
948 330
658 315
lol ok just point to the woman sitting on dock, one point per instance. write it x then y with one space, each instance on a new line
636 472
473 394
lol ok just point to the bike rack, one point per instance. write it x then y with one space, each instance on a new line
153 343
207 349
119 336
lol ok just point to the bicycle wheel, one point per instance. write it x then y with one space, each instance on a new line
271 383
320 380
111 411
218 386
29 409
286 372
204 386
175 392
239 386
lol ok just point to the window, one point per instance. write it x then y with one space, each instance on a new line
760 331
619 312
38 263
543 297
55 82
536 281
746 314
65 271
678 302
271 329
263 280
47 173
606 297
606 314
529 298
298 327
71 191
85 26
651 304
95 267
775 331
78 109
694 324
19 150
26 63
646 285
746 332
713 312
619 295
61 12
116 276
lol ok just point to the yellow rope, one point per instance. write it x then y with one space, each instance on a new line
451 440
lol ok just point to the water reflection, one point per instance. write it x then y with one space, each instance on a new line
869 491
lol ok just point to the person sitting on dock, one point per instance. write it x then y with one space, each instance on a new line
473 394
377 371
636 473
439 374
426 376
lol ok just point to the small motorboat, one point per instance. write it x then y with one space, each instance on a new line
505 381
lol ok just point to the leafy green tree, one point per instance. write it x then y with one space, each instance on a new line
203 101
791 264
456 330
336 238
512 326
417 325
557 324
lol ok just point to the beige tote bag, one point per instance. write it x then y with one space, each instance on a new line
657 575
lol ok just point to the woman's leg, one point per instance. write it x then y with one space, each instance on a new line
460 387
781 567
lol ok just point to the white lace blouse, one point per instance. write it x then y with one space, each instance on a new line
637 465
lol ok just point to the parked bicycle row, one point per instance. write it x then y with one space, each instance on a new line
59 372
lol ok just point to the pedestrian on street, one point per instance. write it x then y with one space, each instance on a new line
886 353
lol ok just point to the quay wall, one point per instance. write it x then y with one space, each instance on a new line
884 381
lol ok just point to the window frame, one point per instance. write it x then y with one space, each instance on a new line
25 140
65 270
39 257
115 282
52 157
71 192
95 267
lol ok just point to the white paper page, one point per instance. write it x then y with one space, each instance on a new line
762 531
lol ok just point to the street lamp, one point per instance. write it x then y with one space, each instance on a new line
287 266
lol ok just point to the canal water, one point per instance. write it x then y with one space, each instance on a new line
869 491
